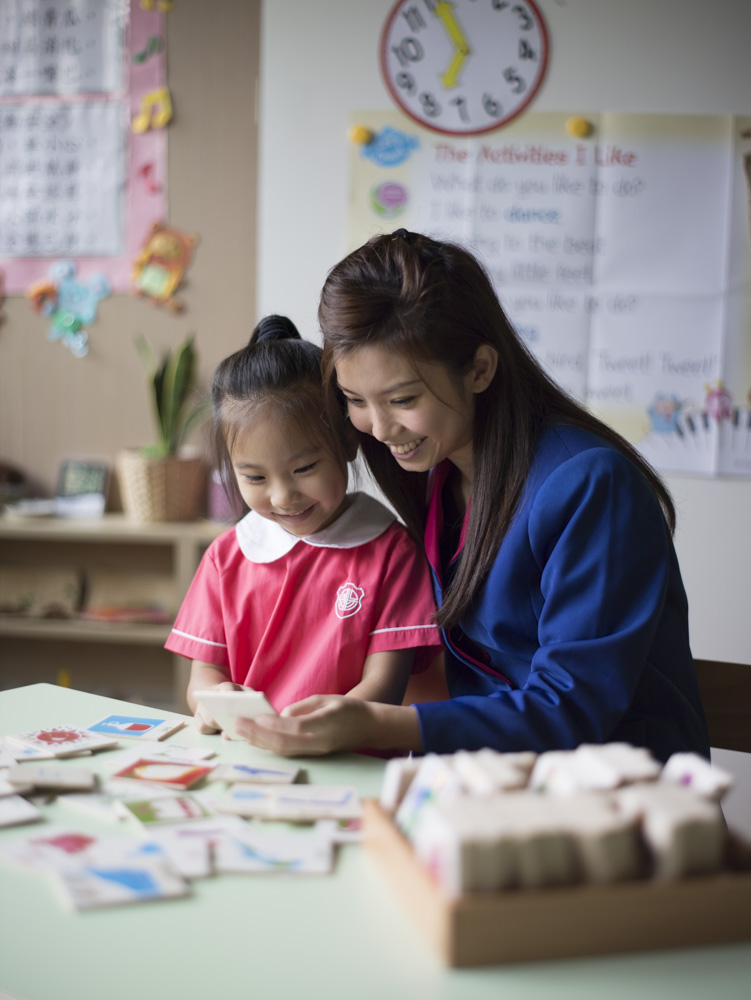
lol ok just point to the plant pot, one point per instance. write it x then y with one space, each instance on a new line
161 489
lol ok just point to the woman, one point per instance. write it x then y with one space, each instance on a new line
559 595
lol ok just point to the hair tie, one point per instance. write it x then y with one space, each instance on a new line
403 233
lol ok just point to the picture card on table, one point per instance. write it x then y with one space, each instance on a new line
262 851
114 884
165 809
62 741
190 845
170 774
161 751
133 727
15 810
298 803
52 776
236 773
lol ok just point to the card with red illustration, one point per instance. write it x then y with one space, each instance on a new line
62 741
170 774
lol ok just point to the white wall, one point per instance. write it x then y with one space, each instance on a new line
319 63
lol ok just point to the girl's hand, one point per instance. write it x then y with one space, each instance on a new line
318 725
202 720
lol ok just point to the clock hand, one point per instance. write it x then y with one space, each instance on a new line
444 11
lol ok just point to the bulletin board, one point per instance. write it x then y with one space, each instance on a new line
83 163
623 258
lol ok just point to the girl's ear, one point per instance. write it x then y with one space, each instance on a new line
483 368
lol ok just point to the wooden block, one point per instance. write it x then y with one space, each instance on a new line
565 922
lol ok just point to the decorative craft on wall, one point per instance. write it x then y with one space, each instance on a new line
70 304
159 267
71 77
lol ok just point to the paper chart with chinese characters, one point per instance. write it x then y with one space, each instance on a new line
74 182
623 259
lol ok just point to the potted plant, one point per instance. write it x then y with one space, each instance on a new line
160 482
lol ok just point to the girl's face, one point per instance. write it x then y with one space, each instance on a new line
286 477
422 416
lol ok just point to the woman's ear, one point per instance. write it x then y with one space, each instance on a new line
483 367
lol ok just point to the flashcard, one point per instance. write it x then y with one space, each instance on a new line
165 772
18 752
161 751
136 728
190 847
225 707
15 810
12 788
236 773
262 851
52 776
165 809
6 757
341 831
113 884
61 741
291 802
97 804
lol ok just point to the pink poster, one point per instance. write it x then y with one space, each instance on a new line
83 146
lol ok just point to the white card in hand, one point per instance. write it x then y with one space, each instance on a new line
225 707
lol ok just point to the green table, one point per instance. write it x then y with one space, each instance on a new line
342 937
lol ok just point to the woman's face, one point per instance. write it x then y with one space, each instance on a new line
422 415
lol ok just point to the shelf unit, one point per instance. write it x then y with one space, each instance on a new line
109 658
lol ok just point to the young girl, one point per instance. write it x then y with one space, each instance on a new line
561 605
315 591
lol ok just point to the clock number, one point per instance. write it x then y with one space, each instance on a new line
514 80
414 18
430 106
406 82
408 51
461 106
526 20
525 50
492 107
500 4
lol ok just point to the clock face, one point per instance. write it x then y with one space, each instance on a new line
463 66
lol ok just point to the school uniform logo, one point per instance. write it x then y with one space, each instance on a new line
348 600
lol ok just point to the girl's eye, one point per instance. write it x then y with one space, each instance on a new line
306 468
253 479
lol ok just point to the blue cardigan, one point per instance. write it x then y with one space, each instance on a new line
580 633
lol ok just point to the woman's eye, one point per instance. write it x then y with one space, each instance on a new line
403 402
353 402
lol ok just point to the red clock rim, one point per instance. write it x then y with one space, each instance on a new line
456 132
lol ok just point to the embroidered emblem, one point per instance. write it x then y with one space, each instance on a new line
348 600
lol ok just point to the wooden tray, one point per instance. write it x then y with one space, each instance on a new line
532 924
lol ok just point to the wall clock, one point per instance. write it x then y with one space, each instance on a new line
463 67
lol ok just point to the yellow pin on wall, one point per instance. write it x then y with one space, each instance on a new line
580 128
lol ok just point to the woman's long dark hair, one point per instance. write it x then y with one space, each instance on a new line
433 302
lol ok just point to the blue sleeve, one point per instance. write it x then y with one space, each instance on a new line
599 551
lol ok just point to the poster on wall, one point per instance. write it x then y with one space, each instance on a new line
623 258
78 178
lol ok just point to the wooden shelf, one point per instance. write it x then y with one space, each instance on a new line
38 649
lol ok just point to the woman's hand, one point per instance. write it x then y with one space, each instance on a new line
326 724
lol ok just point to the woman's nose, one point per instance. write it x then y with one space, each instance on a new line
382 426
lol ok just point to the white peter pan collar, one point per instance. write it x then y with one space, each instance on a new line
264 541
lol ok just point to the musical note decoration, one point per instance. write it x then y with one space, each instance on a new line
156 110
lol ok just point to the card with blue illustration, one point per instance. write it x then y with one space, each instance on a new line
133 727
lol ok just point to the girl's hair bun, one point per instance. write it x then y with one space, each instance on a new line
275 328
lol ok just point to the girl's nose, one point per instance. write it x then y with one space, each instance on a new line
283 495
